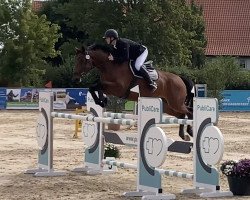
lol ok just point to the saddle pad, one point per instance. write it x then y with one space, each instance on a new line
151 71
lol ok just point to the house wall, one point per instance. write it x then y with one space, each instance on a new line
240 59
248 63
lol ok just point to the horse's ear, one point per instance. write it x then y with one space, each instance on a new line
79 50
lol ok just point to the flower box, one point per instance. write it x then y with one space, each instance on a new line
239 185
238 176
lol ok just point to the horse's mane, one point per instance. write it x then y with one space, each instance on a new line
104 48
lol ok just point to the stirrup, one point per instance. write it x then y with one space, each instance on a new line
153 86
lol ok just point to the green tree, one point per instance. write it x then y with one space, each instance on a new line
172 30
71 37
194 24
61 76
60 68
27 39
218 73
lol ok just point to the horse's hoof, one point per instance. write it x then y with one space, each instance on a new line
105 100
187 138
190 131
102 104
105 103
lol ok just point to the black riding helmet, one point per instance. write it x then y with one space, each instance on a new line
111 33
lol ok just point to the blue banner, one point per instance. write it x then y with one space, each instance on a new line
76 97
27 98
3 98
235 100
71 98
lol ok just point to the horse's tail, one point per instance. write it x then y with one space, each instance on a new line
190 94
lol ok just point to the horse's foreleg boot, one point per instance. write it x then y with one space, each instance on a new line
190 130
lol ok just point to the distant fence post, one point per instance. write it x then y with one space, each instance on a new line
201 90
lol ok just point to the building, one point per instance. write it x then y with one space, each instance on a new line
227 24
37 4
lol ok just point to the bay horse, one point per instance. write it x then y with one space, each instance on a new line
117 79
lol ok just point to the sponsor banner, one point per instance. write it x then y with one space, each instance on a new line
71 98
22 98
59 98
76 98
13 99
27 98
2 98
235 100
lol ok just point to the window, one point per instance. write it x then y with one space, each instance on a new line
243 63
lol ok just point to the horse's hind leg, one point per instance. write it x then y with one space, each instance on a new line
176 103
181 129
189 127
189 104
172 112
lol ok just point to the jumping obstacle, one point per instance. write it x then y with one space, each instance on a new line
208 147
150 138
44 132
205 177
45 138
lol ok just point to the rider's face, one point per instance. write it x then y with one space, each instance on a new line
108 40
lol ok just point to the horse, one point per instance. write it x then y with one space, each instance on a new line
117 79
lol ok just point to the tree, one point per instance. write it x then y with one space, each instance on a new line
194 24
71 37
173 30
219 73
27 39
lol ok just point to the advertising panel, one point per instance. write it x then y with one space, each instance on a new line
71 98
27 98
235 100
59 98
22 98
2 98
76 98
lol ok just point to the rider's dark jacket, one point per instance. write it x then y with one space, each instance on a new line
126 50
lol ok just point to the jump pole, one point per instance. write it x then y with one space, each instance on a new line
44 132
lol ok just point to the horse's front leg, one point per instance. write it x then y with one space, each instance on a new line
107 87
100 100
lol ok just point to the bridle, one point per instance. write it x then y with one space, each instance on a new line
88 61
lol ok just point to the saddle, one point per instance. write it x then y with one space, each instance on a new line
150 69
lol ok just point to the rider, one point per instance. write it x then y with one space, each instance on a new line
125 50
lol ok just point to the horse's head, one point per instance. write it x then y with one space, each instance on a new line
95 56
83 64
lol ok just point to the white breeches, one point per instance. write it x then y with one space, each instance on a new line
141 59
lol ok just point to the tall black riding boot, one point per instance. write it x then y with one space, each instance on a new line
147 78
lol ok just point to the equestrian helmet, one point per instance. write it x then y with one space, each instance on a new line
111 33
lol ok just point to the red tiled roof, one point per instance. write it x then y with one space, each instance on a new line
37 5
227 26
